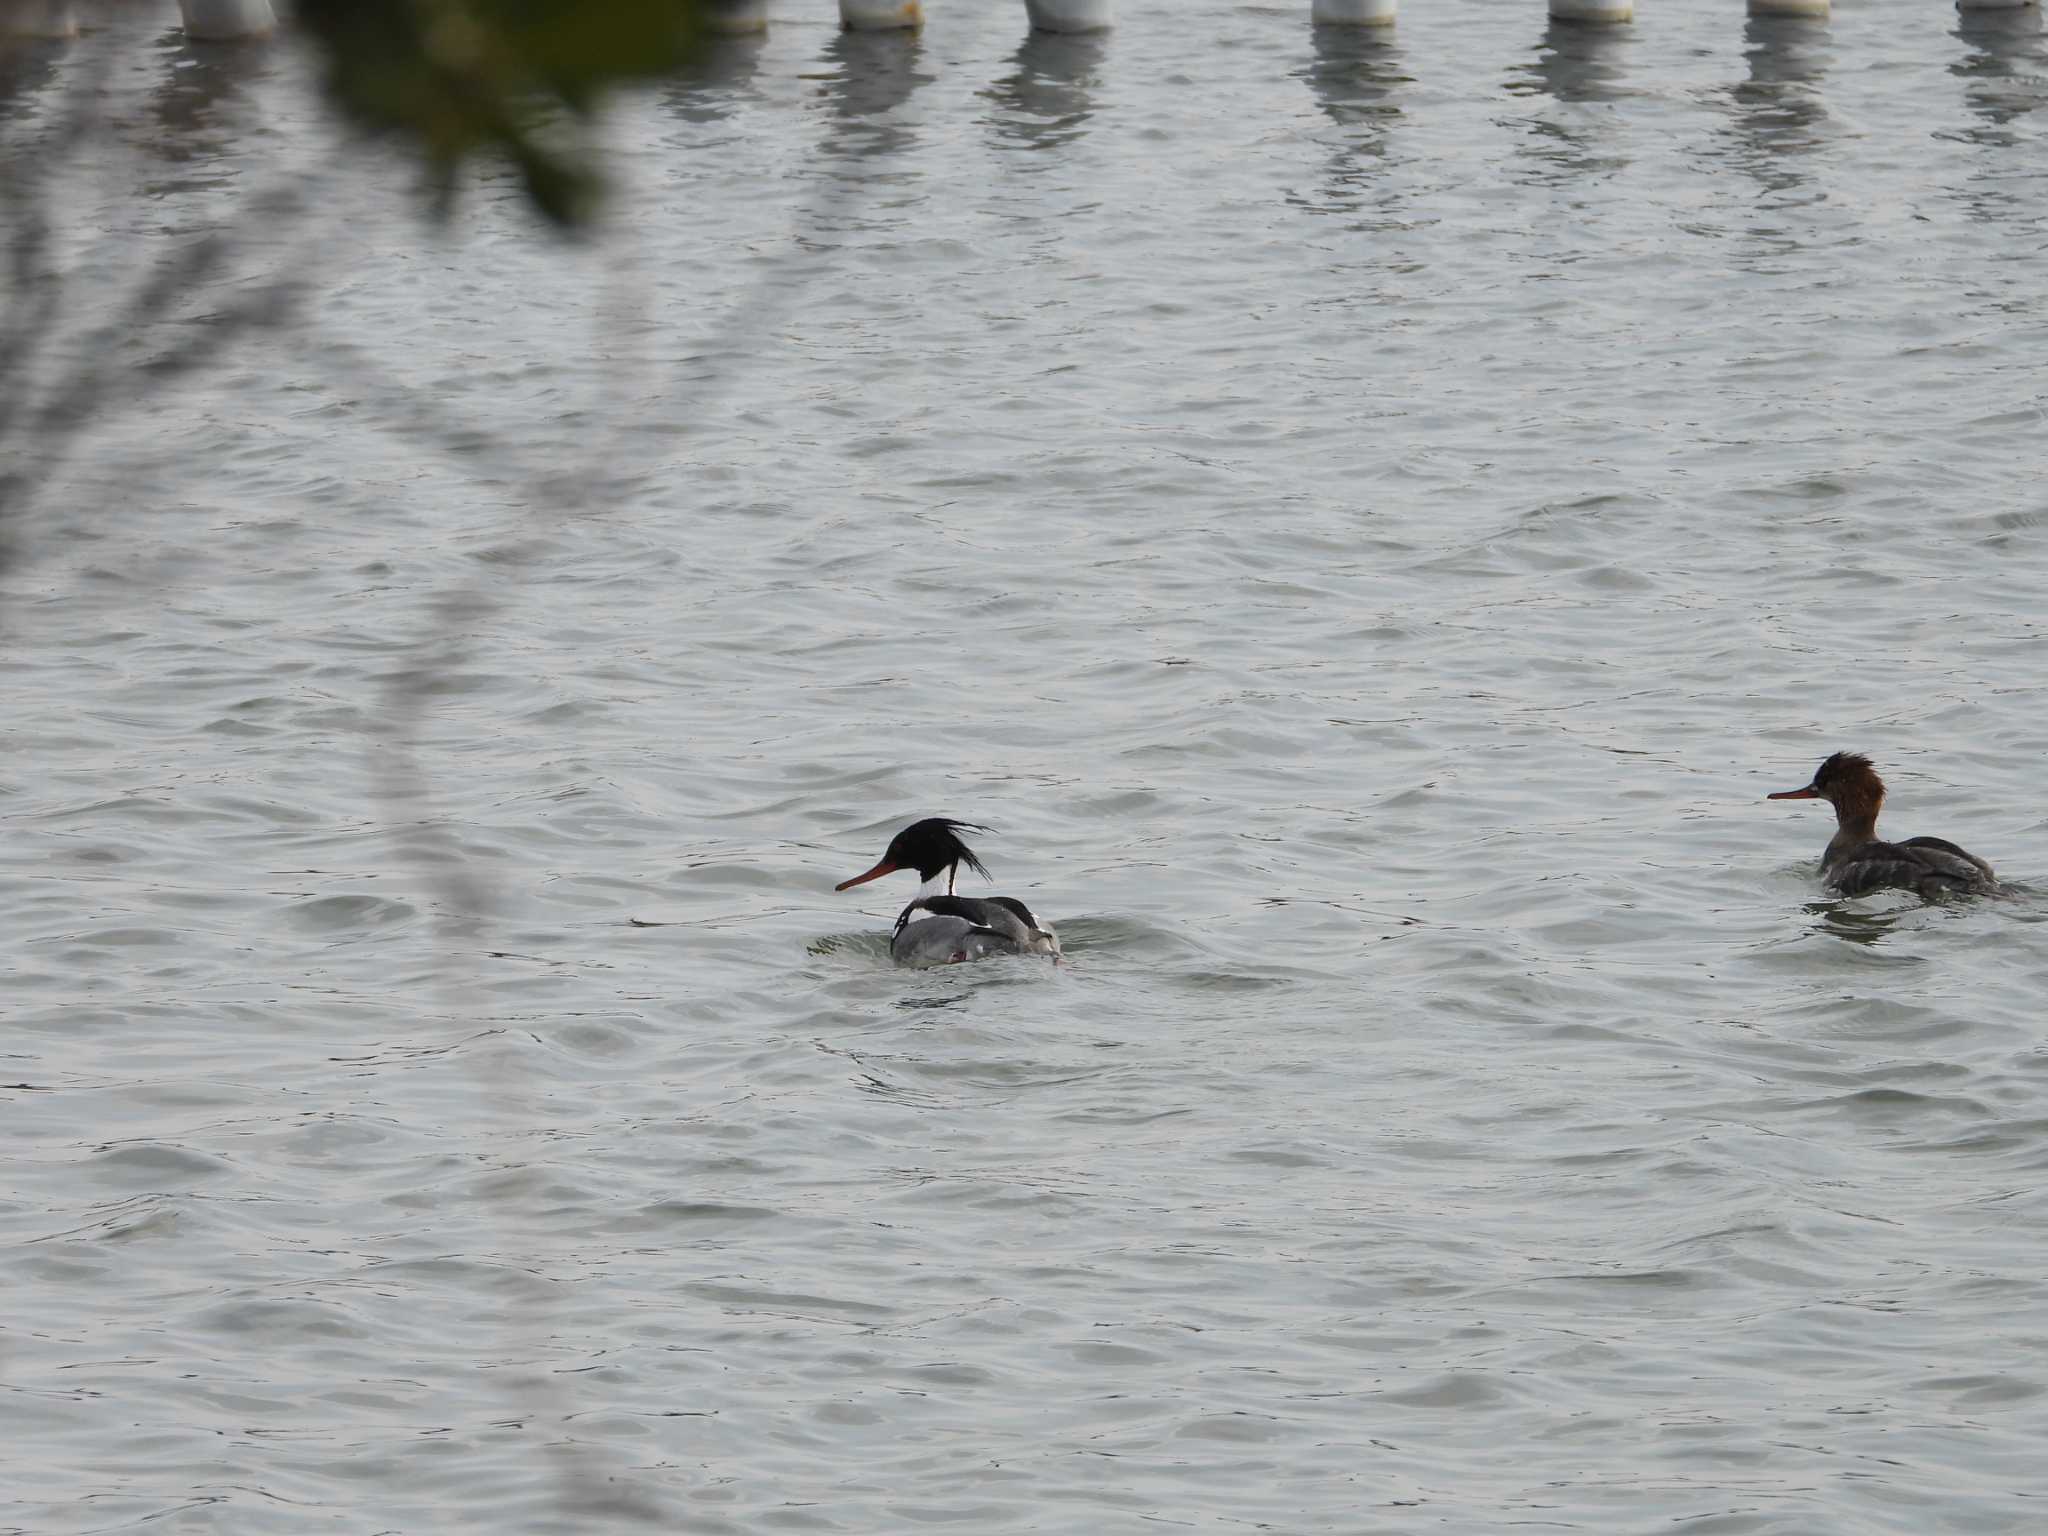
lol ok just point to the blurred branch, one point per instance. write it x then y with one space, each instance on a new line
454 80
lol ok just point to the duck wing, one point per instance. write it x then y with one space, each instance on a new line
1948 854
1009 917
1927 866
981 925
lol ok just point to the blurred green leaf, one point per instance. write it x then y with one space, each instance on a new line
506 78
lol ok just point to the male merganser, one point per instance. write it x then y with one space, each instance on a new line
1858 861
939 928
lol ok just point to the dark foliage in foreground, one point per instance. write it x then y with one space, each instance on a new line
458 78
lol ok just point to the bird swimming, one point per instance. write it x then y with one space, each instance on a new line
1858 861
940 928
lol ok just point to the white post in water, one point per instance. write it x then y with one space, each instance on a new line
880 15
1352 13
37 18
1593 10
731 18
215 20
1788 7
1067 15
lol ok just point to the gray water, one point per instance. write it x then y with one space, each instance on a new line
1363 523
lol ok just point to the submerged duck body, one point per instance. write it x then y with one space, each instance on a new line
1858 861
939 927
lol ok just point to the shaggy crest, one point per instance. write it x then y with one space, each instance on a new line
1845 767
915 846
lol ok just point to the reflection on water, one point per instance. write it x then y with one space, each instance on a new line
1048 96
718 79
2003 71
195 106
1780 112
1355 74
1575 64
27 66
873 73
1356 78
1858 927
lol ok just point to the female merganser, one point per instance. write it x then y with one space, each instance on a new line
1858 861
939 928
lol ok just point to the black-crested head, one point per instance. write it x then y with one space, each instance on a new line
929 847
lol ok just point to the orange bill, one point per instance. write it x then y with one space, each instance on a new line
881 869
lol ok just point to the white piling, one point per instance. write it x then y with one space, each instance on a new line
1592 10
1067 15
880 15
1352 13
218 20
37 18
735 18
1788 7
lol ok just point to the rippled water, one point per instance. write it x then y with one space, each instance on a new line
1364 521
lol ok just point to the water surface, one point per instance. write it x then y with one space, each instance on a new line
1363 521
